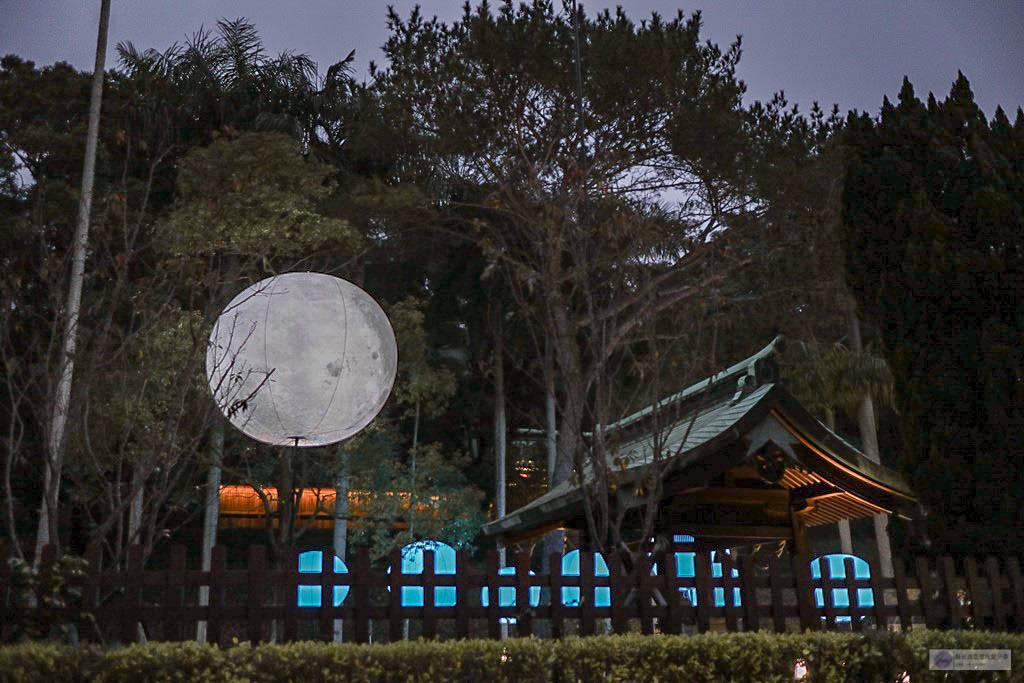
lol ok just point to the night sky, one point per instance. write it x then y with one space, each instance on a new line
849 53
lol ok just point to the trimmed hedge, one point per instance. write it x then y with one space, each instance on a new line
713 657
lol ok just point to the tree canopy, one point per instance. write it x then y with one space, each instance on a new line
933 207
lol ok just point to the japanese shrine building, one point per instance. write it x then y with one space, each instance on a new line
748 465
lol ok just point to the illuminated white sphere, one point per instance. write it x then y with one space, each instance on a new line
302 359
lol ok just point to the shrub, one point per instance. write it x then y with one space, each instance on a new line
762 657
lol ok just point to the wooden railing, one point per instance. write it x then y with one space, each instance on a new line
259 602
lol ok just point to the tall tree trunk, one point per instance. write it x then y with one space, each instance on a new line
211 514
869 439
551 420
845 537
554 541
500 432
340 539
138 487
47 527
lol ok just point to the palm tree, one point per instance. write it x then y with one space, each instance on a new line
831 377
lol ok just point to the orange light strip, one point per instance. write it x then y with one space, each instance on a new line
853 473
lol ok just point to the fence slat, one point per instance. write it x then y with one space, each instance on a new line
620 590
995 583
947 570
673 596
218 567
290 563
748 594
557 608
325 624
705 592
493 596
166 596
90 591
429 595
132 595
804 593
395 598
928 600
466 597
827 594
1016 590
976 591
852 594
174 595
775 568
524 618
899 570
587 593
728 594
360 593
878 594
256 587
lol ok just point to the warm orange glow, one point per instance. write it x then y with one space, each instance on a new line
839 465
241 507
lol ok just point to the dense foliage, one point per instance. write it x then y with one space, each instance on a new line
934 212
712 657
576 206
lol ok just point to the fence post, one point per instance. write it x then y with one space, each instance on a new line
977 593
555 580
949 581
132 595
827 594
395 598
429 607
995 582
466 598
290 584
878 583
327 580
728 592
90 590
1016 590
493 578
804 594
524 618
775 568
673 596
924 581
748 594
360 593
853 595
705 593
215 620
899 569
256 587
174 595
588 597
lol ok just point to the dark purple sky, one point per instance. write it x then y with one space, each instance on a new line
850 53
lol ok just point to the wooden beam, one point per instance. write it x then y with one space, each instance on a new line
700 531
515 539
814 491
733 496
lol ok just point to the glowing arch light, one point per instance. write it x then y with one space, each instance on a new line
507 594
571 567
685 569
837 570
412 563
312 562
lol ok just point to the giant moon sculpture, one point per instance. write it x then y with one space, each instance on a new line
301 359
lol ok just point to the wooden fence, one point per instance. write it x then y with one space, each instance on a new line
259 602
